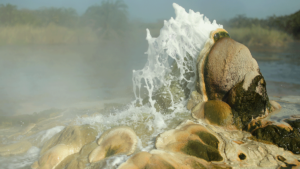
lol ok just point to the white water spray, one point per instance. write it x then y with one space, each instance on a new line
179 38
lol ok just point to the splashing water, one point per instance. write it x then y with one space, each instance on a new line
180 41
178 45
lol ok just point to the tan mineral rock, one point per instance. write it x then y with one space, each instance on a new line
275 105
118 140
195 98
191 139
69 141
82 159
51 158
234 61
158 159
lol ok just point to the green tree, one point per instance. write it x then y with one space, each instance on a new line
109 19
60 16
7 14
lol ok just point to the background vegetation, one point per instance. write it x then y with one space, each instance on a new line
109 20
272 31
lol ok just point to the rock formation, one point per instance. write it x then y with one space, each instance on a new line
119 140
67 142
158 159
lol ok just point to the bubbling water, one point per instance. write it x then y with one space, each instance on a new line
180 41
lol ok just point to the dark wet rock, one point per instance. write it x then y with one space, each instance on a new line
281 136
295 123
285 136
249 104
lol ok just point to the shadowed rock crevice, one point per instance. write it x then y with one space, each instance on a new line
208 139
198 149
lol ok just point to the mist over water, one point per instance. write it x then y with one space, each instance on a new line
38 77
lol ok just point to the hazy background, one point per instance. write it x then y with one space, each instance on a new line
150 11
69 53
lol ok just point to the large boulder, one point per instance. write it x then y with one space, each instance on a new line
226 65
228 72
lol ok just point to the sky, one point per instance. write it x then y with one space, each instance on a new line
153 10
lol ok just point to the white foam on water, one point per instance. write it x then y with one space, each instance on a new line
20 161
186 34
142 118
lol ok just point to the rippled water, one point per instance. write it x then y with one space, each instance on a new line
281 68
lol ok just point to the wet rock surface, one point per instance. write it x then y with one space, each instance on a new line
158 159
249 104
191 139
228 72
194 99
289 140
119 140
63 144
230 128
286 136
